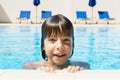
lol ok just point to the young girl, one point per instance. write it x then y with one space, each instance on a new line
57 45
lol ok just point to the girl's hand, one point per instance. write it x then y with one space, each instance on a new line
73 69
46 68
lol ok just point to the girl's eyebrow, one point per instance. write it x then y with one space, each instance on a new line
60 37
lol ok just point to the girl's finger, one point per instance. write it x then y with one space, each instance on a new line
77 68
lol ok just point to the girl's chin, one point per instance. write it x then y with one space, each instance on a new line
59 62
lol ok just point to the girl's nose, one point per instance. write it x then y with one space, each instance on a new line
59 45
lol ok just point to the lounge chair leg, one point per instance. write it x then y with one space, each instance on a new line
96 22
20 22
31 22
74 22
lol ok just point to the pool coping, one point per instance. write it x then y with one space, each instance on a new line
59 75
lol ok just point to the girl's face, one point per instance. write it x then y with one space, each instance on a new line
58 49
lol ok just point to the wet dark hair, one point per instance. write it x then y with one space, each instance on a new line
56 25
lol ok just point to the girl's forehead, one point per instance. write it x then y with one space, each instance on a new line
59 36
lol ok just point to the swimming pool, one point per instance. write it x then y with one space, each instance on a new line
97 45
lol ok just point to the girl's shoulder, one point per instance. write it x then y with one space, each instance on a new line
32 65
81 64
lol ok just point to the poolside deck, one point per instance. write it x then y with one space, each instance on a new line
115 24
59 75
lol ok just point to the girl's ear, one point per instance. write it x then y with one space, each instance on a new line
43 48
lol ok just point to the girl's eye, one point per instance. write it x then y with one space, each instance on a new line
52 40
66 40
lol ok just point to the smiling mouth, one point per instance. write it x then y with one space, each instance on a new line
59 55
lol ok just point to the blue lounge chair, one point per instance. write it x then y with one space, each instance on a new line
24 16
104 15
46 14
81 16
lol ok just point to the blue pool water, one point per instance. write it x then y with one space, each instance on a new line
97 45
